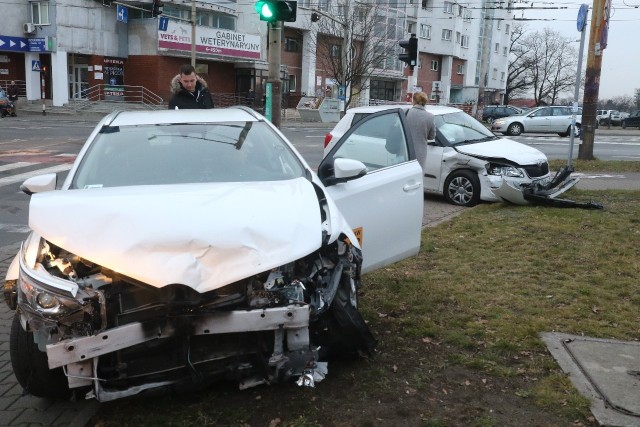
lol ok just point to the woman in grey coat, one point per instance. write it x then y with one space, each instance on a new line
422 127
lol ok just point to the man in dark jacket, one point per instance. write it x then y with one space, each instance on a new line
189 90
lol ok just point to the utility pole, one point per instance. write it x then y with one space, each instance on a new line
193 33
275 59
484 58
599 23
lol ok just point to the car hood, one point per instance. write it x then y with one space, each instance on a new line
204 236
503 148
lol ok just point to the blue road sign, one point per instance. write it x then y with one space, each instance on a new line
37 45
582 16
122 13
15 44
35 66
163 23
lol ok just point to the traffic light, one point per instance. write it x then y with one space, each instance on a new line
276 10
157 8
410 56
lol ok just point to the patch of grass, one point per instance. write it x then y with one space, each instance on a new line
597 165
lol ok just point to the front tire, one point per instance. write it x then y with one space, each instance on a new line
462 188
515 129
31 368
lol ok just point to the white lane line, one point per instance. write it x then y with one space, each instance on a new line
14 228
17 165
22 176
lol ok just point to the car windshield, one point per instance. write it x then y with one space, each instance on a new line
460 128
186 153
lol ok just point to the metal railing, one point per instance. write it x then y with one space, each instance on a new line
22 87
116 94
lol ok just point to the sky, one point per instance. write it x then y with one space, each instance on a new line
620 73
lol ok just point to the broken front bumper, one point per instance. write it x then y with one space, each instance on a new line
292 354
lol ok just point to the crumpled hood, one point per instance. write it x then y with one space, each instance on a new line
504 148
204 235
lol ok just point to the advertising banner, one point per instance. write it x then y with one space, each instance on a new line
177 36
113 77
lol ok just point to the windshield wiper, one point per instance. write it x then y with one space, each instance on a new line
473 141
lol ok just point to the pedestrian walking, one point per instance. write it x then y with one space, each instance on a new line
189 90
12 94
422 126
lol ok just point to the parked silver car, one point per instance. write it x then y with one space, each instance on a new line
551 119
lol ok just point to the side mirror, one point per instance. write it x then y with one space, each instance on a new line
347 169
39 184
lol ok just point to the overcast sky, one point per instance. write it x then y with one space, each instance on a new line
620 73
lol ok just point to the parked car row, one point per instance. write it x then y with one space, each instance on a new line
632 121
493 112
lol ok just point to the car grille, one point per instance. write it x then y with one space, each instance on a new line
534 171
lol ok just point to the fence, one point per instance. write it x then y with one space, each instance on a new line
120 93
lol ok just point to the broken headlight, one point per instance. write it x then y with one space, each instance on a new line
43 299
504 170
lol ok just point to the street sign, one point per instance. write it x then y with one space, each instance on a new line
122 13
341 93
163 23
37 45
582 16
22 44
35 66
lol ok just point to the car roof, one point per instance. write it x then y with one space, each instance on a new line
435 109
133 118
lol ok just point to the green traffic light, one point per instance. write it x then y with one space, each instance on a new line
265 10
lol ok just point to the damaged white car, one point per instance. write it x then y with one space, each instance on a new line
466 162
188 246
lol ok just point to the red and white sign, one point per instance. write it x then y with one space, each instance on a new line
209 40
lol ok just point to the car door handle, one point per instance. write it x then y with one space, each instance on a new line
410 187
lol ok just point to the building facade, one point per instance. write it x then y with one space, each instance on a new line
71 49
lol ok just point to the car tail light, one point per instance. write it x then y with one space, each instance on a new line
327 139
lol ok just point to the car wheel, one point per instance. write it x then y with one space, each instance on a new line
577 130
462 188
490 119
31 368
514 129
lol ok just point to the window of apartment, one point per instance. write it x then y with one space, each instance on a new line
502 76
448 7
504 51
467 15
215 20
336 51
494 75
323 5
425 31
291 44
498 24
465 41
411 27
434 65
497 49
458 37
460 68
177 12
40 12
446 34
292 82
507 27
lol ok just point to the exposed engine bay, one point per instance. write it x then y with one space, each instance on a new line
119 337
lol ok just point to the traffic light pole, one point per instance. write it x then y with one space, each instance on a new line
275 60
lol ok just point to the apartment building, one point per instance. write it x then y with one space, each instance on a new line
63 48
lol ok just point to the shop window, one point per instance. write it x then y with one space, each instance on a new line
291 44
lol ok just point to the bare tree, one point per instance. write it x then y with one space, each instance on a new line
518 80
544 62
621 103
355 41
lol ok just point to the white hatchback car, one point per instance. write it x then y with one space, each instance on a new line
186 246
466 162
551 119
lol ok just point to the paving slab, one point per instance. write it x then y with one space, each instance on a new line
605 371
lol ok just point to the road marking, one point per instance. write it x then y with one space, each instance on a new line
14 228
22 176
583 175
15 166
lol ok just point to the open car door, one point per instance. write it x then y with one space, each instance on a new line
384 203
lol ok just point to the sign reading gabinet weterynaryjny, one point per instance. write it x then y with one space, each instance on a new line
214 41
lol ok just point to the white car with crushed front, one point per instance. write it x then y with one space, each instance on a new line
466 162
186 246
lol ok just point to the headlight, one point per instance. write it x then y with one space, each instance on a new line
44 300
504 170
